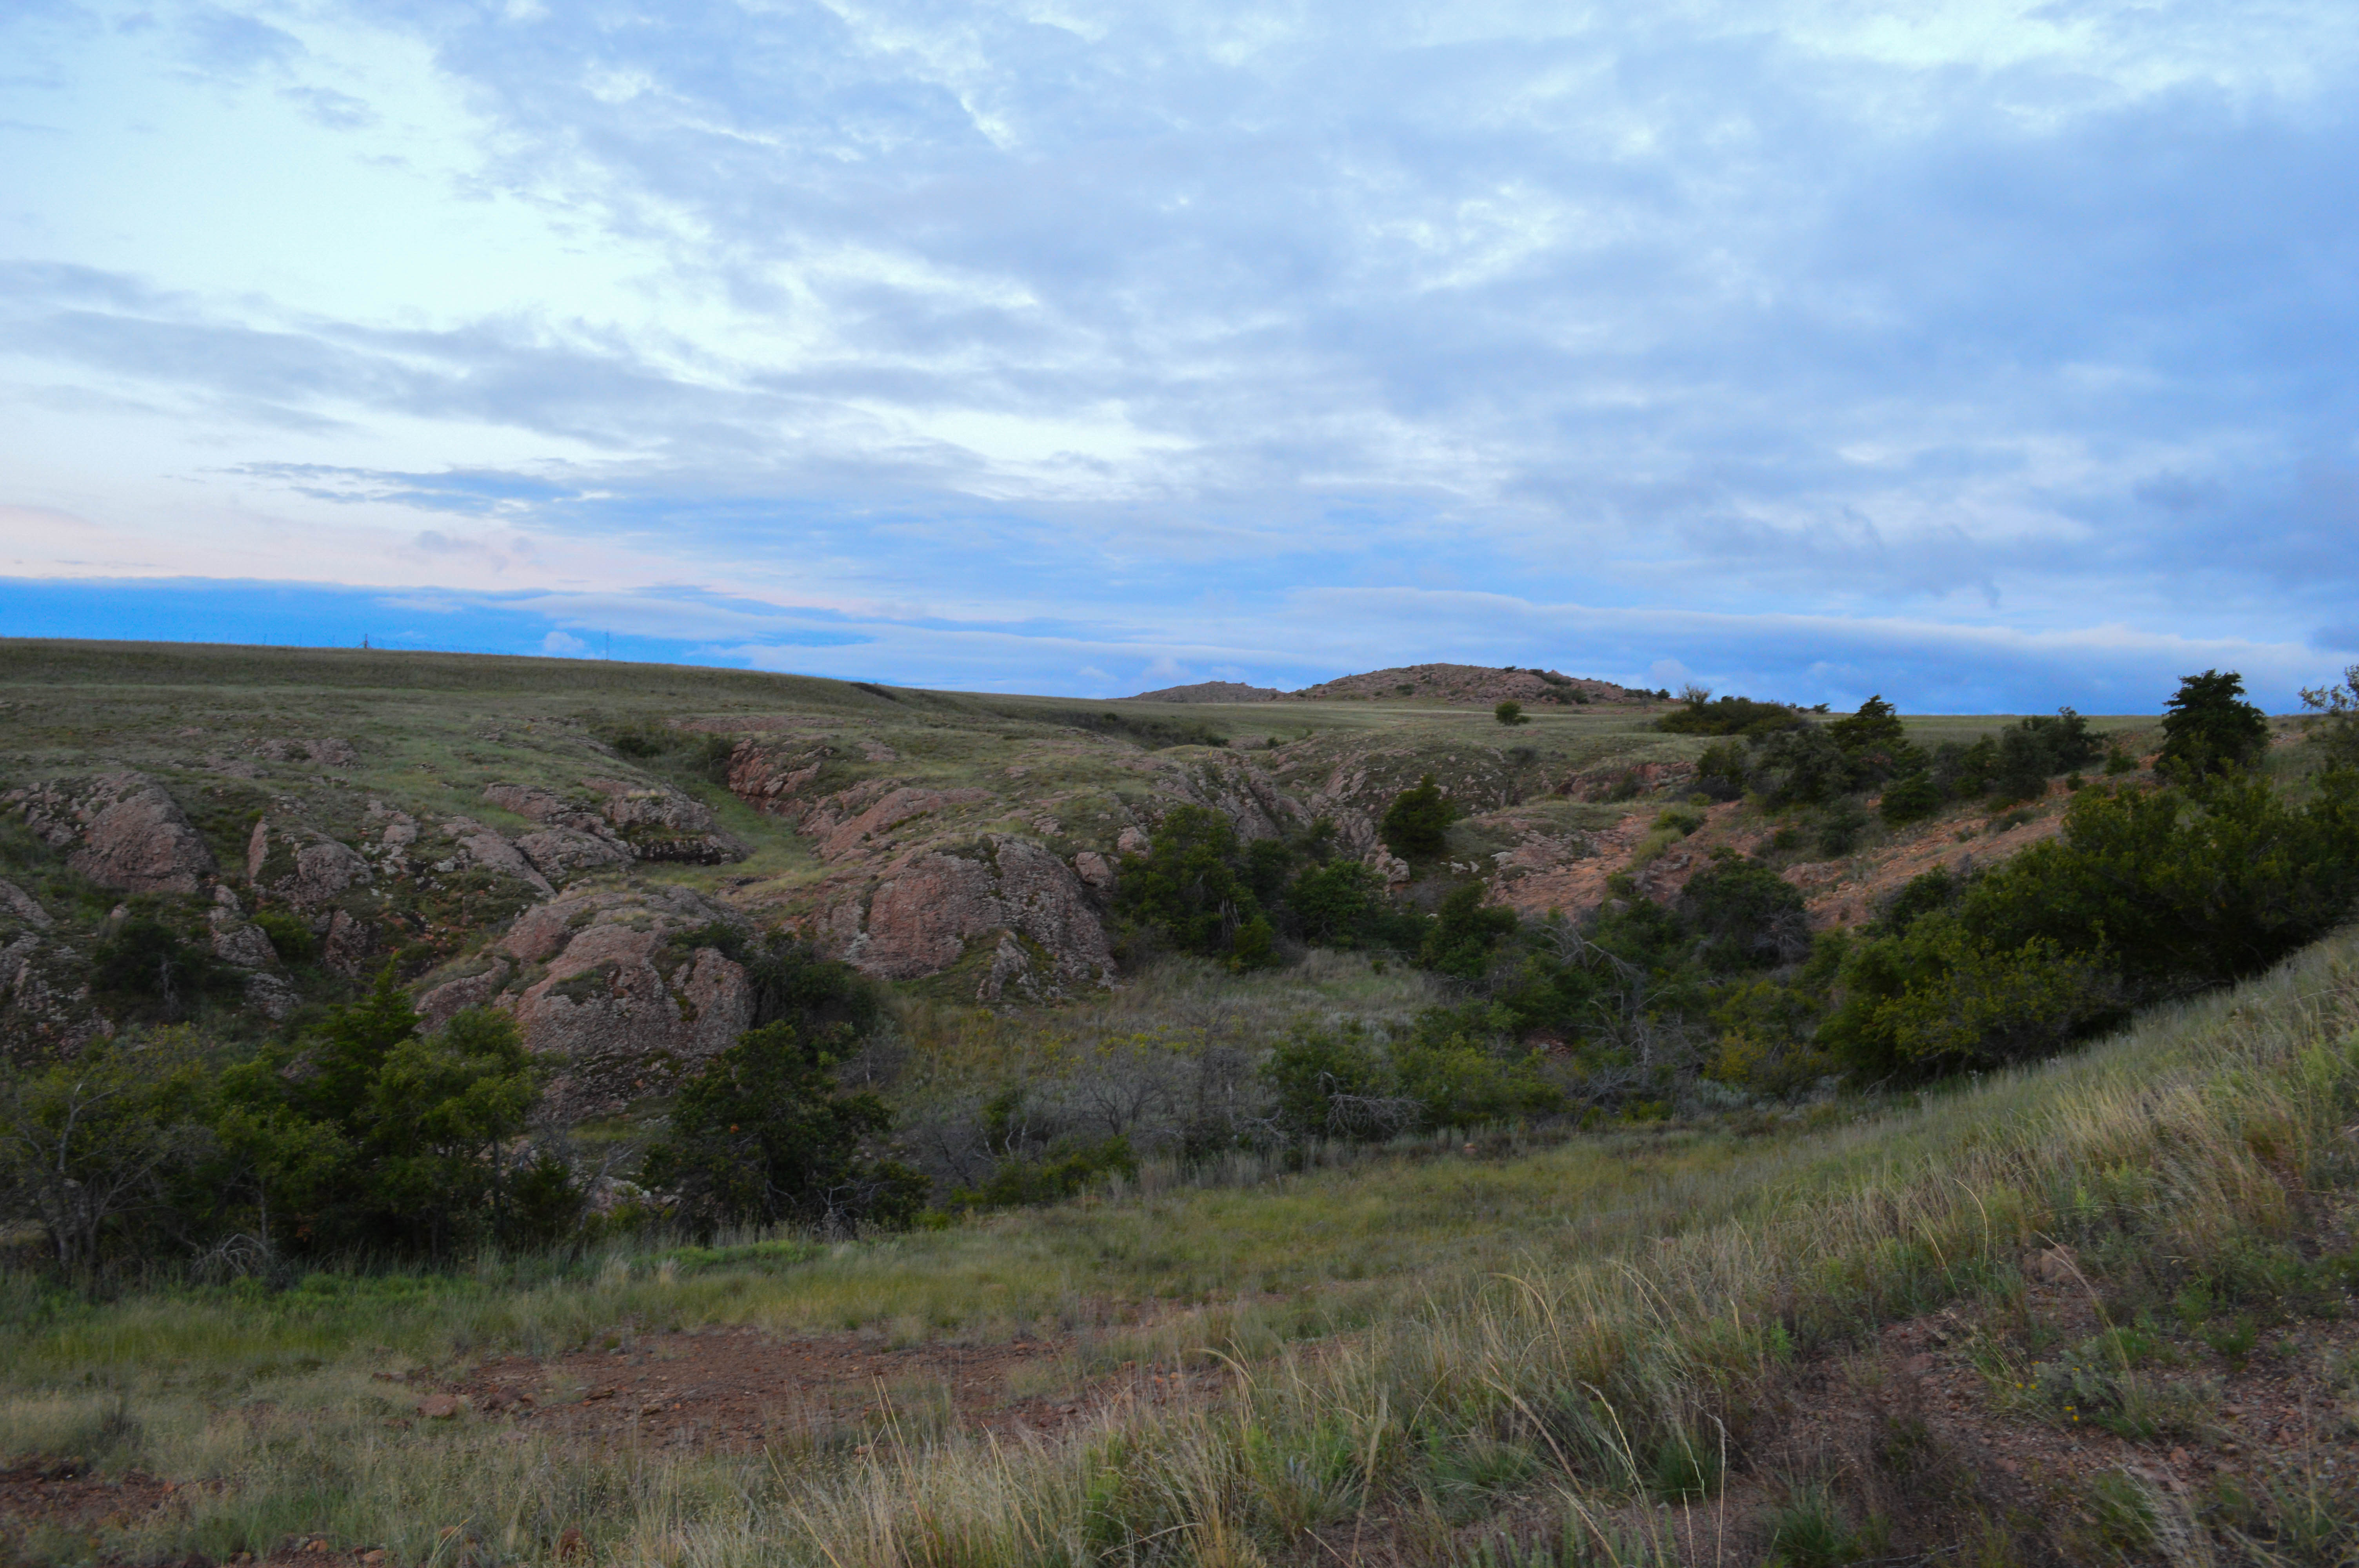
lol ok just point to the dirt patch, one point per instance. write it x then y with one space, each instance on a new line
741 1388
61 1495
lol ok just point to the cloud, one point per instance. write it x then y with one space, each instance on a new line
1214 339
564 645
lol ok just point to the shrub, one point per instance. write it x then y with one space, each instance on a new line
1839 831
1415 825
291 938
1332 1085
1049 1175
1189 883
370 1134
1720 772
2209 728
1510 713
1465 934
1910 799
146 960
1745 915
1339 904
1729 716
2144 896
763 1135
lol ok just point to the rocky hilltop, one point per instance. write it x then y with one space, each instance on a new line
1472 684
1211 691
604 849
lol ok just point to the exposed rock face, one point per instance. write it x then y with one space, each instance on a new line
664 825
242 944
445 1001
18 904
307 869
480 845
868 831
610 982
1248 798
562 853
128 833
927 908
349 944
628 822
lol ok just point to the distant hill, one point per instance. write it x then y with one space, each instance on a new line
1209 691
1472 684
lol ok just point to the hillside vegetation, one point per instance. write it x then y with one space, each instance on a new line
469 1109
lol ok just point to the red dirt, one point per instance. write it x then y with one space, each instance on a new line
737 1388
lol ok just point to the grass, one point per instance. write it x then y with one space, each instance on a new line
1419 1345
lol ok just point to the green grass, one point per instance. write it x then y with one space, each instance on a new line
1596 1307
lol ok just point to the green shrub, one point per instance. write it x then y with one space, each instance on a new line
1745 915
290 937
1729 716
1910 799
763 1134
1466 933
2208 727
1721 770
1061 1171
1510 713
1415 825
1189 883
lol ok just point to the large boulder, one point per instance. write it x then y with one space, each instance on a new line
124 831
618 986
928 909
308 869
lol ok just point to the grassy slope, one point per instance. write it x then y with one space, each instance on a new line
1560 1319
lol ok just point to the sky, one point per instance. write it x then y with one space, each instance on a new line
1989 357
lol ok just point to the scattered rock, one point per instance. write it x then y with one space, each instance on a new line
440 1407
1132 841
1095 872
664 825
2053 1266
348 945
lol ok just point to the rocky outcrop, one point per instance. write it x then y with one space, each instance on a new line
16 904
125 832
476 845
308 870
623 822
1248 796
928 909
1209 691
664 825
438 1005
614 985
869 832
